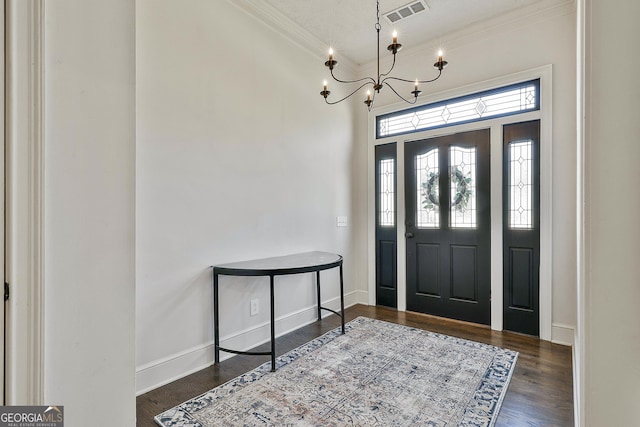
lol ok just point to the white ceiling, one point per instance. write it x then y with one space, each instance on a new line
349 25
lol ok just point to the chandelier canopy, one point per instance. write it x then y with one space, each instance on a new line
377 83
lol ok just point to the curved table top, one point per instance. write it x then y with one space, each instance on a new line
289 264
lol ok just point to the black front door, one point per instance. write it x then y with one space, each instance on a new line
448 226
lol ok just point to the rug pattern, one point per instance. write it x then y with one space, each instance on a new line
378 374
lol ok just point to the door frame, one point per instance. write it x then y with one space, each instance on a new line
24 201
543 73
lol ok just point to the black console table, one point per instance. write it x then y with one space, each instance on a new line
292 264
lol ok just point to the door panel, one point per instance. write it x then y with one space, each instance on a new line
386 227
428 265
521 275
447 186
464 273
387 251
521 229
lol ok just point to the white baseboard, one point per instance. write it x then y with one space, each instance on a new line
563 334
163 371
361 297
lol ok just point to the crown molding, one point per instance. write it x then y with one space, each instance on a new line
285 26
525 16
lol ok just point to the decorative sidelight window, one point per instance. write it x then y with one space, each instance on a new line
386 197
462 179
504 101
521 185
428 194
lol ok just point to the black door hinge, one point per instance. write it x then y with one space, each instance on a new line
6 291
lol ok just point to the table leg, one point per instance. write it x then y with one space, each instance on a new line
341 298
318 289
216 320
273 327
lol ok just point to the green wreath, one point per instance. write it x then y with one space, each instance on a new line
430 195
463 191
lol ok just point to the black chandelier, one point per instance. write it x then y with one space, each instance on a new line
382 79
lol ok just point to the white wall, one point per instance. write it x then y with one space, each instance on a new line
503 46
237 158
609 291
89 210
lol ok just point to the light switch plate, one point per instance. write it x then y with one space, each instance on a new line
341 221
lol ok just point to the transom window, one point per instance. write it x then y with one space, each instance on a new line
504 101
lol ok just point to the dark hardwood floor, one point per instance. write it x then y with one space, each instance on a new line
540 392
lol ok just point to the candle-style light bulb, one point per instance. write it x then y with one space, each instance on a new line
368 95
395 36
324 84
416 91
440 55
330 53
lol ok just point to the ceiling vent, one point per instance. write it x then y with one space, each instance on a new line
406 11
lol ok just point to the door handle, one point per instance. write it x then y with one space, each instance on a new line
408 235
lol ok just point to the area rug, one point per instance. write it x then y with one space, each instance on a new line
377 374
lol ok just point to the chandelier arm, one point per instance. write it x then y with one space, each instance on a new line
413 81
348 96
367 79
400 96
390 69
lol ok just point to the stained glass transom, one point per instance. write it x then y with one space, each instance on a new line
521 185
428 190
498 102
462 185
387 197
